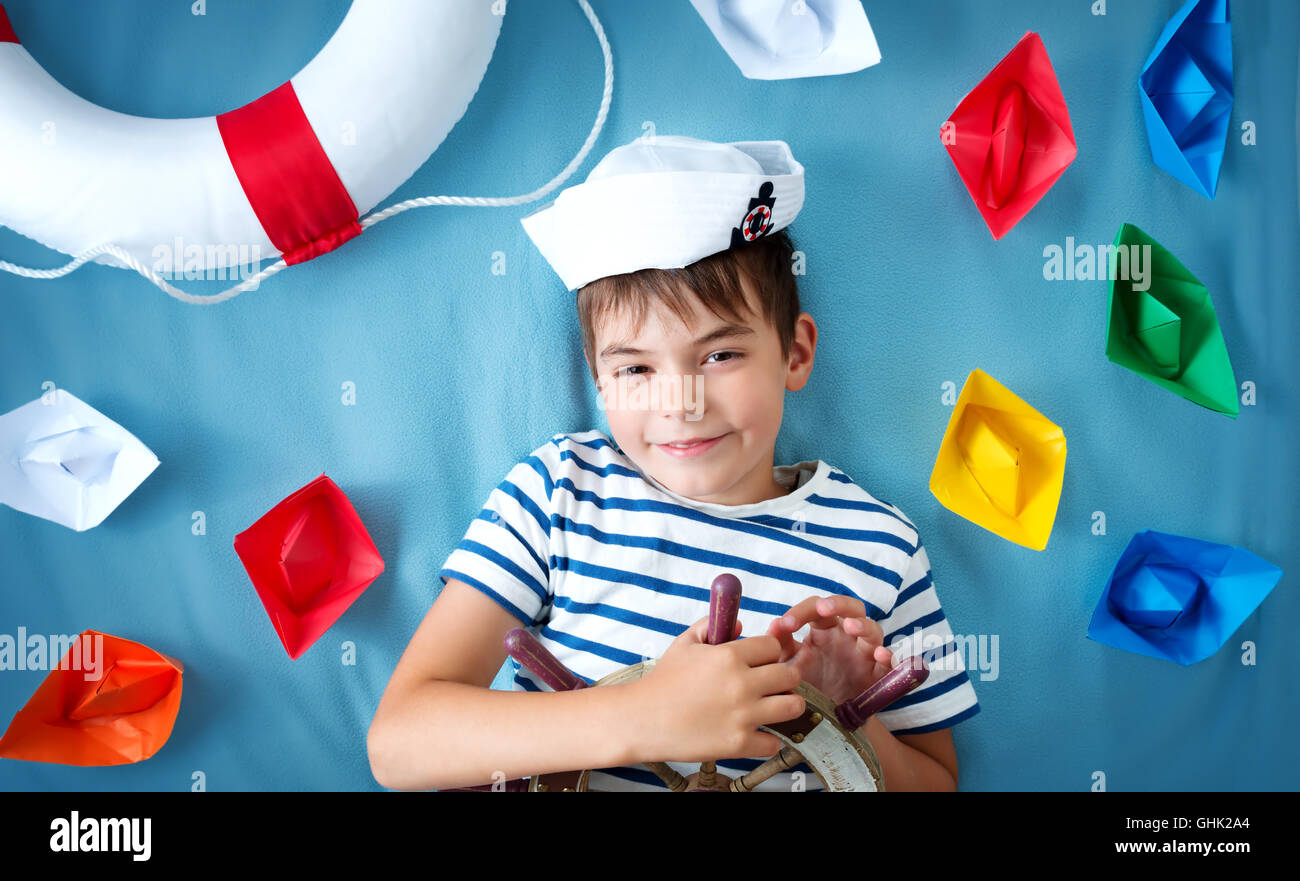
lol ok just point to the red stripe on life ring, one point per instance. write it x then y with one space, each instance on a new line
289 181
7 34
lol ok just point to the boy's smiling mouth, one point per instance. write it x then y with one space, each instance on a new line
689 448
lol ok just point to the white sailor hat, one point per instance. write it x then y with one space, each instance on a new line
784 39
666 201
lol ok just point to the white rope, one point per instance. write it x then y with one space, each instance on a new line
367 221
129 260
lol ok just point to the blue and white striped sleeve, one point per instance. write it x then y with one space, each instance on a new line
916 625
506 549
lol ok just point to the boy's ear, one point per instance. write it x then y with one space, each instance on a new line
802 350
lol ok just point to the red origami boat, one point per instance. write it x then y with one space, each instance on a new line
1010 138
309 558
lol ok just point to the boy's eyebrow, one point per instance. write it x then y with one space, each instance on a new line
720 332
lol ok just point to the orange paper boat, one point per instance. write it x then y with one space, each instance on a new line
110 701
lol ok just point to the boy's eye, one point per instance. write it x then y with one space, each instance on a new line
633 370
724 356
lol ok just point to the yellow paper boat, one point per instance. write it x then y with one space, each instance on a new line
1001 463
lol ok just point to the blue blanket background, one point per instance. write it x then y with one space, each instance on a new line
459 373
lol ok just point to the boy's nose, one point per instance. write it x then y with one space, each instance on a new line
682 395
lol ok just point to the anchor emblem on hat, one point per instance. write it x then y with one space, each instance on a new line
758 222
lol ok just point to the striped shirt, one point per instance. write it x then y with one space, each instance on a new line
608 567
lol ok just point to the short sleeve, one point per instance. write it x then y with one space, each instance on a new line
505 552
916 625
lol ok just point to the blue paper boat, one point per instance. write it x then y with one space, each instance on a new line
1179 598
1186 89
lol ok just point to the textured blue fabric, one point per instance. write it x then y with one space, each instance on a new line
459 373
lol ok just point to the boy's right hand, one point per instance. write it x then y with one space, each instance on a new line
705 702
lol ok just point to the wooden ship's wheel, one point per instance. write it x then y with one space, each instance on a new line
827 736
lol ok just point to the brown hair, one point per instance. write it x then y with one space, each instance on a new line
714 281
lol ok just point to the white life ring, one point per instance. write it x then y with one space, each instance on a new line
376 101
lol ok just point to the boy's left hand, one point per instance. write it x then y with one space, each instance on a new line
843 653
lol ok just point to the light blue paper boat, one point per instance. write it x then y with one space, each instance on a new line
1186 89
1179 598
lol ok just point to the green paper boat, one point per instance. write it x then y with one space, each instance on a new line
1168 332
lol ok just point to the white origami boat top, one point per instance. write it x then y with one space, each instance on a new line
63 460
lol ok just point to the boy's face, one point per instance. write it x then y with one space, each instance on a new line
715 382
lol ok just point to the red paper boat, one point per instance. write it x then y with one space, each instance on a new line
309 558
1010 138
110 701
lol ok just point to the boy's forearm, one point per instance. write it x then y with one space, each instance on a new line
442 735
906 768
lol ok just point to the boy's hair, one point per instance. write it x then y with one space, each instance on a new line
715 281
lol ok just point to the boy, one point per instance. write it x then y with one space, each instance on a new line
607 544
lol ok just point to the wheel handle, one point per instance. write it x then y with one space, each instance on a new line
529 652
724 607
909 673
